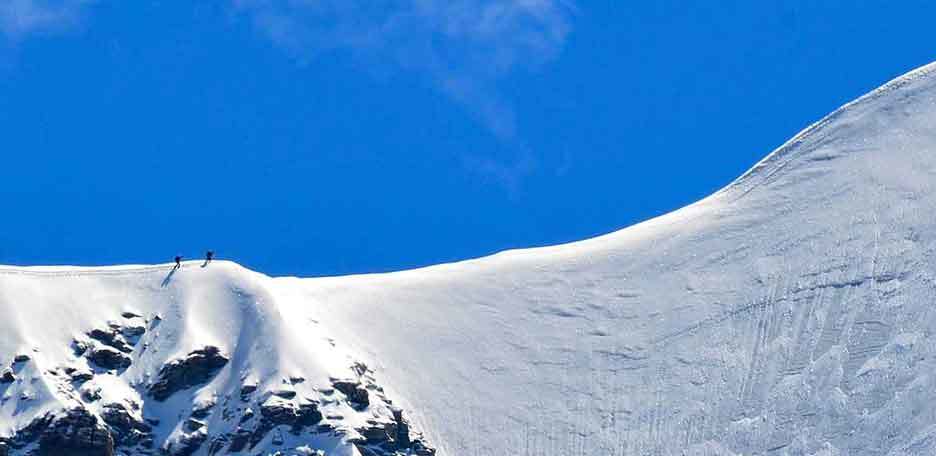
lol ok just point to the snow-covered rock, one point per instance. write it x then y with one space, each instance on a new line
207 362
791 313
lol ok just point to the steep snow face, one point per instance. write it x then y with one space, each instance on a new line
790 313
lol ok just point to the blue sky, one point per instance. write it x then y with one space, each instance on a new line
331 137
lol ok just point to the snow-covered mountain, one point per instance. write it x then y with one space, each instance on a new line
791 313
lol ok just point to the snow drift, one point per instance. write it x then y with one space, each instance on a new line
788 314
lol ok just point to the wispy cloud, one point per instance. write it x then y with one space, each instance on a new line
21 18
463 48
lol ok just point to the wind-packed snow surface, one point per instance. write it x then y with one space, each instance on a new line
791 313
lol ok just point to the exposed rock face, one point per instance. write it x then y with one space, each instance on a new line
277 412
239 440
195 369
109 347
288 413
76 433
246 391
79 375
112 338
390 438
125 428
246 419
109 358
355 392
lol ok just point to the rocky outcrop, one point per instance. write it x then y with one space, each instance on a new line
278 412
197 368
109 347
390 438
108 358
355 392
246 391
259 416
127 430
79 375
111 337
297 416
76 433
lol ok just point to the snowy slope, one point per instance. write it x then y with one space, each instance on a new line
788 314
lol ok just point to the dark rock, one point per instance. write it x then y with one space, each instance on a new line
118 418
4 449
109 358
325 428
375 435
130 315
284 413
126 429
295 380
355 393
308 414
193 425
102 336
195 369
259 433
135 330
390 438
21 358
246 391
359 368
111 338
420 449
81 375
239 440
7 377
403 429
79 347
285 393
218 444
278 412
77 433
91 395
31 433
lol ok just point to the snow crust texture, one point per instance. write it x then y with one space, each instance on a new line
790 313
